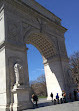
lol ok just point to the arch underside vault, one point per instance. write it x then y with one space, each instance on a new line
45 46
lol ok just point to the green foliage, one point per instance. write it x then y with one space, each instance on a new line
42 96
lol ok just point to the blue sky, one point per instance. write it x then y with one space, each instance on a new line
68 11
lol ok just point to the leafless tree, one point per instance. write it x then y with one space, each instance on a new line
74 66
39 86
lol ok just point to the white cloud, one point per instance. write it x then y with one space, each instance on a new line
36 71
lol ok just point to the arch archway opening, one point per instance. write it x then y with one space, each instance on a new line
54 79
37 79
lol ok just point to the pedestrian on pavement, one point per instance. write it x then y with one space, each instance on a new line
57 98
78 95
64 96
61 100
70 97
51 96
75 95
35 99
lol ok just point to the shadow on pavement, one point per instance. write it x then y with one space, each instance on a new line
43 105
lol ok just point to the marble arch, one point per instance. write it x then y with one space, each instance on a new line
26 21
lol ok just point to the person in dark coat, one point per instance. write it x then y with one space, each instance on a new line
51 96
75 95
35 99
70 96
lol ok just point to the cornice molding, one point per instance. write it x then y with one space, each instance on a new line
39 8
11 46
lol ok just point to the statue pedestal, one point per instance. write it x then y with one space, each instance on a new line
22 98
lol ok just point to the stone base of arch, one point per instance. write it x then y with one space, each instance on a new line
56 79
21 99
53 85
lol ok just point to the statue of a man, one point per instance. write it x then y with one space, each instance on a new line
18 69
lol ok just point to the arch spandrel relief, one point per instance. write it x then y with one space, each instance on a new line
14 32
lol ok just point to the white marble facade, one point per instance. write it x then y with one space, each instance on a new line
26 22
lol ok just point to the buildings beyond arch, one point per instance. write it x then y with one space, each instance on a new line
21 22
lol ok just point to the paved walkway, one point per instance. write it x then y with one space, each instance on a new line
45 105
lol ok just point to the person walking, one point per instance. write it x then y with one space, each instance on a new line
64 97
51 96
70 96
57 98
78 95
35 99
75 95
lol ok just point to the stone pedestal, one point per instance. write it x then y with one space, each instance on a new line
21 98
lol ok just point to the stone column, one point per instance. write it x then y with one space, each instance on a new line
58 77
54 77
68 81
14 93
3 103
18 91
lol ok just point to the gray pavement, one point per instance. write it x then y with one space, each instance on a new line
44 105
